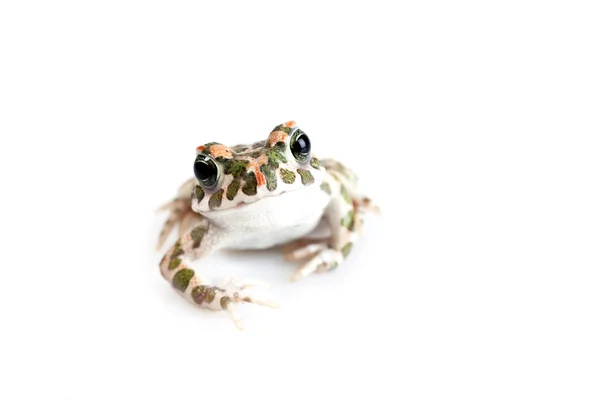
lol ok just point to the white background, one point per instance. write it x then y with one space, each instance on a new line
474 125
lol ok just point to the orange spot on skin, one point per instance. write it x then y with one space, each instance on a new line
289 124
260 178
199 148
255 165
219 150
256 162
276 136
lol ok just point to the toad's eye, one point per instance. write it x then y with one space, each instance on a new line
206 171
300 145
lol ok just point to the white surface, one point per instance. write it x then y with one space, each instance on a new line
474 126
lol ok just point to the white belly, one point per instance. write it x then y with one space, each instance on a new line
271 220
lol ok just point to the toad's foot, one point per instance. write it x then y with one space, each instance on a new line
367 204
175 268
324 259
362 204
228 294
180 213
304 248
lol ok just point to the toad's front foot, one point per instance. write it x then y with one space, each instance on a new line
231 292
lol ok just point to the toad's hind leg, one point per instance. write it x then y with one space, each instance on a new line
175 267
344 216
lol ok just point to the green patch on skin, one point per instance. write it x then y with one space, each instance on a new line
249 187
325 187
177 250
345 194
182 278
346 249
197 234
225 301
215 200
200 293
175 262
287 176
199 193
348 220
315 163
306 176
234 167
233 188
275 154
269 173
210 296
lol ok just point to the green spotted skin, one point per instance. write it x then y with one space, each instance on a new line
306 176
232 189
346 249
287 176
182 278
246 174
215 200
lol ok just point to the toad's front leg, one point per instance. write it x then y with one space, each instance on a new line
198 243
344 216
180 212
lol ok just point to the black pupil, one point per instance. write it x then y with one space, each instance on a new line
302 145
205 171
